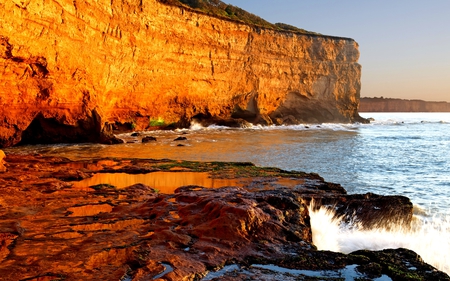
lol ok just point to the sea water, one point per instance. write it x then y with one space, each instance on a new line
396 154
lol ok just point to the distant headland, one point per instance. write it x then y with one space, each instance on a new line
401 105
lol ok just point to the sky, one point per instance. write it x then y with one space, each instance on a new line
404 44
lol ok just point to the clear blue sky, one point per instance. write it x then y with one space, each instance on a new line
404 44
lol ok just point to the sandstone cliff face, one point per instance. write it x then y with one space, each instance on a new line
72 70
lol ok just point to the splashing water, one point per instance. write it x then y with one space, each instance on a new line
429 237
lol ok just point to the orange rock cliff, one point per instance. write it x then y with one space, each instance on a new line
75 71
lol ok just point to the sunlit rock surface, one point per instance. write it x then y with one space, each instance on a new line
57 225
74 71
2 161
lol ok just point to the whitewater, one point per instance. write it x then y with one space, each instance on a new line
396 154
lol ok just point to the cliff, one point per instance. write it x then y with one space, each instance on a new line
401 105
74 71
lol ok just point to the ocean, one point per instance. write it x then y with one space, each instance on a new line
396 154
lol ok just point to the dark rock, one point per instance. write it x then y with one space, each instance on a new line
148 139
180 139
135 134
368 210
372 269
44 130
233 123
206 120
107 139
399 264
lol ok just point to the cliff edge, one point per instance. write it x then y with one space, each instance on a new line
76 71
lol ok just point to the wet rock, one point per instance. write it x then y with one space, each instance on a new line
368 210
108 139
148 139
399 264
138 233
180 139
138 190
135 134
70 175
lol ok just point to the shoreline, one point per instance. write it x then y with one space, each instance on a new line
259 217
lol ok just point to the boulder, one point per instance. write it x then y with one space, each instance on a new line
148 139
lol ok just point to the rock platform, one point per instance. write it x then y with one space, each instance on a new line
240 222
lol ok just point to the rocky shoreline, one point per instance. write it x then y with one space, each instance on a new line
239 222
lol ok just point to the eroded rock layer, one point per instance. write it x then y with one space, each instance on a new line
56 226
88 67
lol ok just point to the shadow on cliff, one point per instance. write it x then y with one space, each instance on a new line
51 131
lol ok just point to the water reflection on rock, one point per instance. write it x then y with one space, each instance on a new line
164 182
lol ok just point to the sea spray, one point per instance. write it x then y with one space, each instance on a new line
324 226
429 237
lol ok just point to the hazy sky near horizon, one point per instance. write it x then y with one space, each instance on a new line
404 44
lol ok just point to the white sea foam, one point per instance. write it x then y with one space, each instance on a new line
378 118
195 126
389 118
429 237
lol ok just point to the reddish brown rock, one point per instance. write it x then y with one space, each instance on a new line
74 71
52 228
2 161
5 241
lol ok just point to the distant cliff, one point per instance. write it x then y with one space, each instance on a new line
401 105
74 71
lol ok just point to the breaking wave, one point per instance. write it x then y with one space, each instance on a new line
429 237
195 126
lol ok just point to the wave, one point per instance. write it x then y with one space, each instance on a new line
377 119
300 127
396 118
429 237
